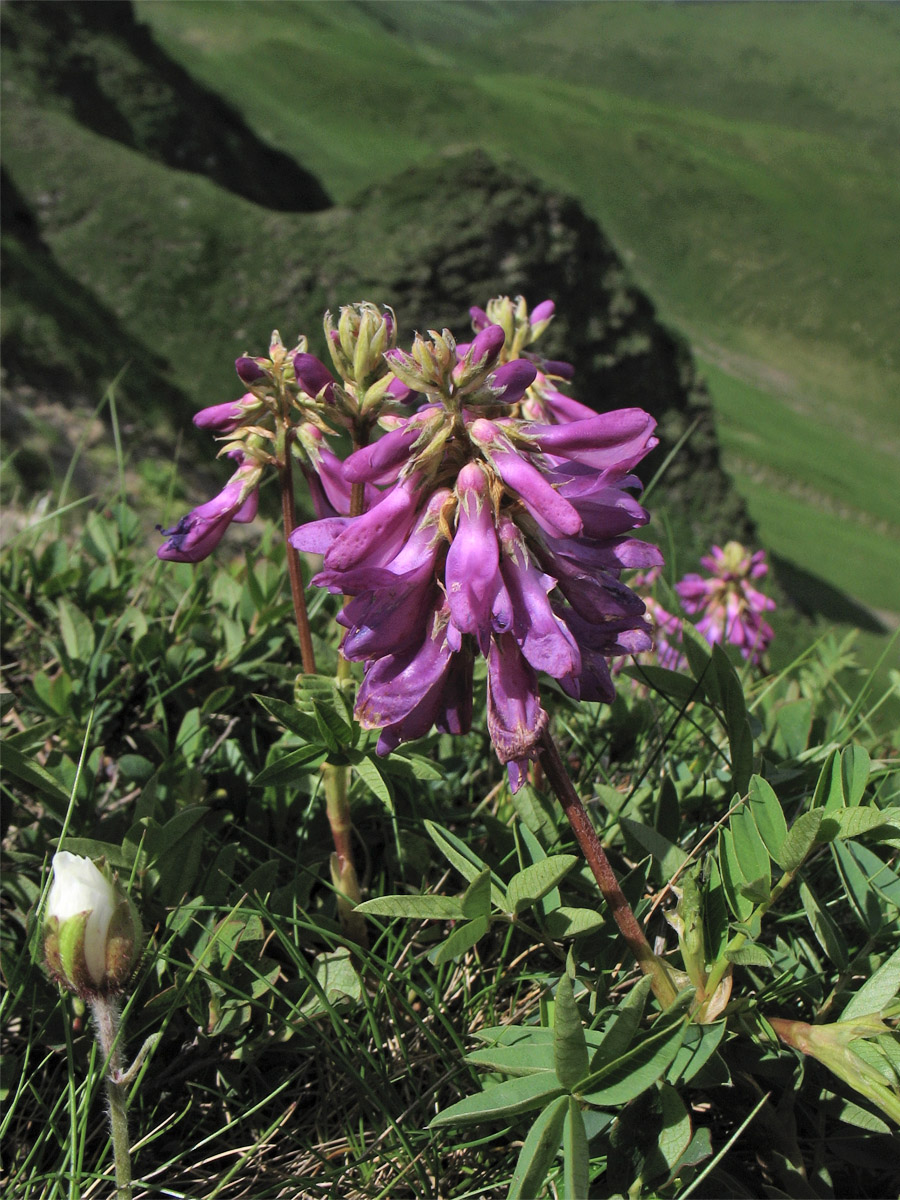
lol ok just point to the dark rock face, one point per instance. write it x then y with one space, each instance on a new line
96 61
461 229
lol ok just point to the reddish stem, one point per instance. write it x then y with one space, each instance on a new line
584 831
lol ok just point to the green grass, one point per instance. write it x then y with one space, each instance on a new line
289 1062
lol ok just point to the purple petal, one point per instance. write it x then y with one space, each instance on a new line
395 684
512 380
389 617
551 510
486 345
376 536
472 570
516 720
615 554
601 441
447 705
248 369
544 639
317 537
199 532
225 418
542 312
313 376
384 457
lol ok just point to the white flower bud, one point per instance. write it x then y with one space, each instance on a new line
91 931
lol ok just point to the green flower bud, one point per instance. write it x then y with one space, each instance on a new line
92 934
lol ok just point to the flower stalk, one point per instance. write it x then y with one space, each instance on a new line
289 519
107 1021
622 912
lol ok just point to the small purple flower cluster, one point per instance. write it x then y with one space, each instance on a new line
730 607
492 533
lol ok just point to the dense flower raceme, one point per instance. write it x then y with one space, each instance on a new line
730 608
491 533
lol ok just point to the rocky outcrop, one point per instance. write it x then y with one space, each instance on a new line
463 228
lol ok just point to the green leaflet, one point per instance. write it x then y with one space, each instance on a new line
877 992
508 1099
529 884
569 1045
538 1151
576 1155
427 908
768 816
460 939
629 1076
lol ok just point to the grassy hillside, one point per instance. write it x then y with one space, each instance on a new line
743 157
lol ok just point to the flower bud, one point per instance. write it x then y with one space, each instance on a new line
249 370
92 934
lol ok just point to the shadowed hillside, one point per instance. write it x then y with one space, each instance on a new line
178 274
98 63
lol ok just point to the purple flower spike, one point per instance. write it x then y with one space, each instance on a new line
199 532
731 609
248 369
472 571
516 721
480 319
313 376
225 418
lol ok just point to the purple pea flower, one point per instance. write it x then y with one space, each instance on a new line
372 539
427 684
391 604
516 721
226 418
545 640
313 376
551 511
199 532
472 570
510 382
249 370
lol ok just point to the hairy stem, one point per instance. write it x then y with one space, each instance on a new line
106 1023
622 912
343 869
